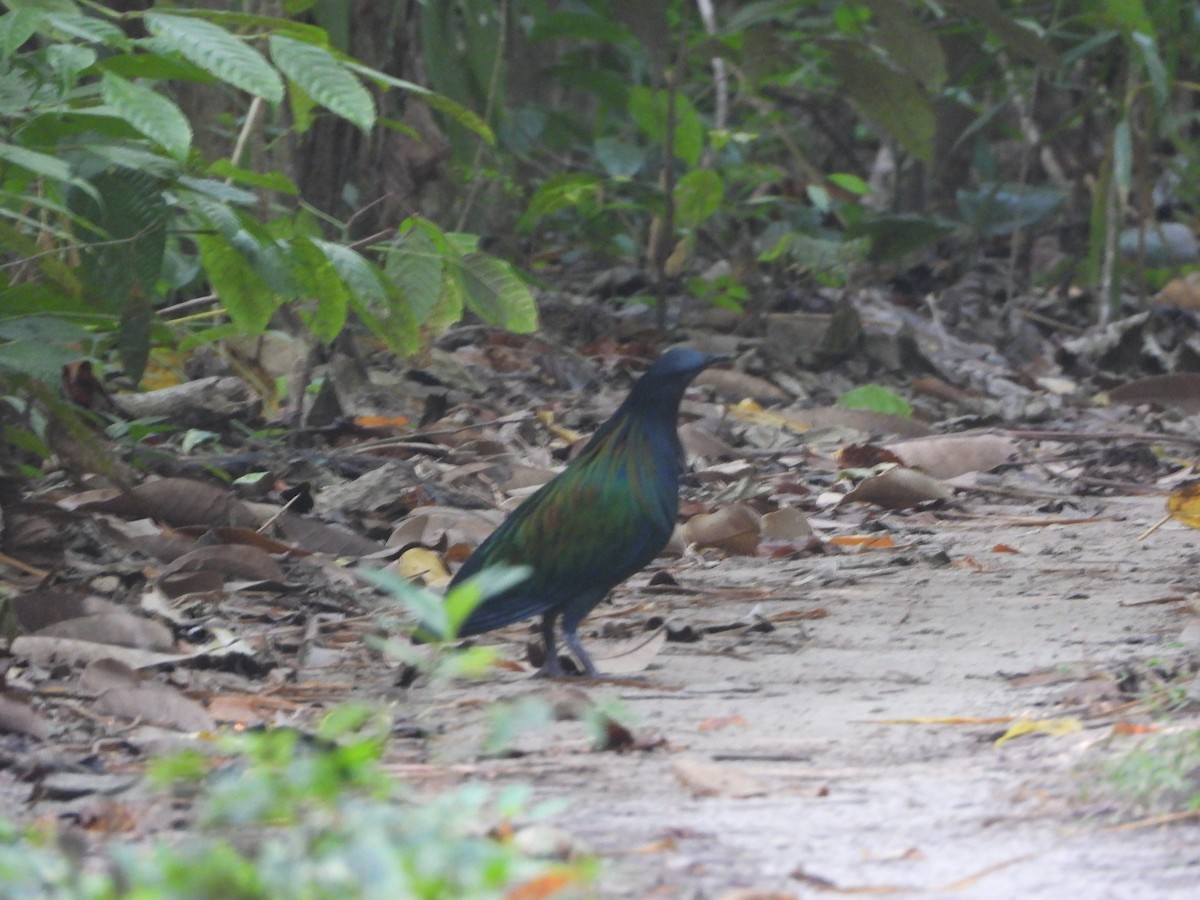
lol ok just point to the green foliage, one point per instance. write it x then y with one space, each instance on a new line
440 618
876 398
286 814
1161 774
107 209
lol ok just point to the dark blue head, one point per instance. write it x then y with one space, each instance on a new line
661 386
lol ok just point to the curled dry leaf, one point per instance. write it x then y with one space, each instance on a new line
785 524
158 704
20 718
634 655
898 488
115 628
706 779
435 526
1178 389
44 606
734 529
178 502
239 561
948 456
700 442
48 651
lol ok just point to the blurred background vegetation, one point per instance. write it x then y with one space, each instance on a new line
175 173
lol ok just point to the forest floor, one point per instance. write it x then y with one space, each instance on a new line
856 753
985 691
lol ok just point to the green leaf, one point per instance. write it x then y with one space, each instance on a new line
619 159
912 45
1123 155
567 190
133 336
497 295
36 360
876 398
43 164
361 276
890 98
245 296
1160 82
319 284
433 100
416 266
1019 37
271 181
698 195
217 51
125 238
16 28
648 109
149 112
89 29
324 79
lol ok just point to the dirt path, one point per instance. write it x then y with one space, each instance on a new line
844 801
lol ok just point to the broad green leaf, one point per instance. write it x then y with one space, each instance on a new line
851 183
90 29
125 236
912 45
1016 35
245 296
321 289
149 112
497 295
876 398
890 98
271 181
43 164
133 335
324 79
35 359
698 195
619 159
16 28
218 51
649 110
362 277
567 190
440 102
894 236
415 265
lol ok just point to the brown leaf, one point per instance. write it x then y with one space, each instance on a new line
634 655
732 528
48 651
239 561
20 718
948 456
785 524
734 385
119 628
1179 389
158 704
42 607
898 488
706 779
180 501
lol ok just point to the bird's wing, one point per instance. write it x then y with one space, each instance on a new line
583 533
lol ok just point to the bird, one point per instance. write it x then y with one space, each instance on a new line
596 523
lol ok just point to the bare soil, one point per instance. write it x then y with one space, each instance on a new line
860 748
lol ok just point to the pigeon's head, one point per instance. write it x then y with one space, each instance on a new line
682 362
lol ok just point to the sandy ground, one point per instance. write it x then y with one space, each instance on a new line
821 793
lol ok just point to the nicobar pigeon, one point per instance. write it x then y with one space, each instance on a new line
600 520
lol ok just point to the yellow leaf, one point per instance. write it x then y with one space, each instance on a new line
1051 727
749 411
423 565
1184 504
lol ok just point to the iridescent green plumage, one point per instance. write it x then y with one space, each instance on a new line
607 515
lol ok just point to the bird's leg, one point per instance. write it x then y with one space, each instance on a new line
572 640
551 667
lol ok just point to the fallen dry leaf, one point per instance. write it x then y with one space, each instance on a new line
732 528
706 779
